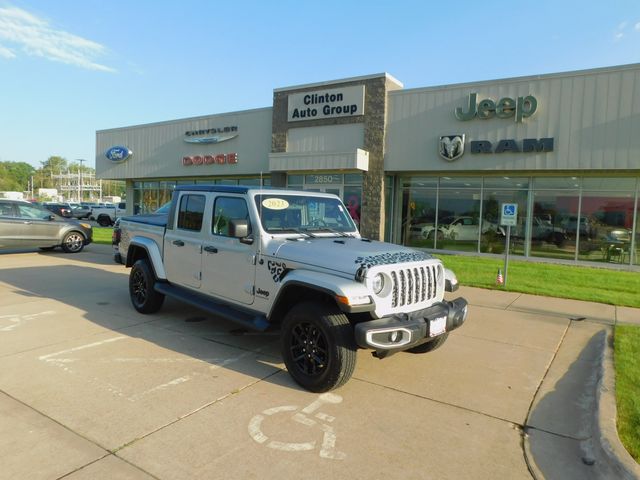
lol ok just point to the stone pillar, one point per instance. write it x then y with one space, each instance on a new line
372 217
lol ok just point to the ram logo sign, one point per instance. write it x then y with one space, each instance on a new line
451 147
118 154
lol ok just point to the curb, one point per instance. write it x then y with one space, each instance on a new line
605 430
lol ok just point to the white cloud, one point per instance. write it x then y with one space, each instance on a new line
619 35
637 26
37 38
6 53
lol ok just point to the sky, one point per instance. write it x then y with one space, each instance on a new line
71 67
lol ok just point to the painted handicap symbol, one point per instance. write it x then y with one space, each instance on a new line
327 449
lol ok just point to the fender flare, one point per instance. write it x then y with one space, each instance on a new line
153 252
328 284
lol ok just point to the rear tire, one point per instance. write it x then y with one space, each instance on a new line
143 296
431 345
318 347
104 221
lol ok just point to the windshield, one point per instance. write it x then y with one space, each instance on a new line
282 213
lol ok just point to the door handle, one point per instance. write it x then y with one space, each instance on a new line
210 249
178 243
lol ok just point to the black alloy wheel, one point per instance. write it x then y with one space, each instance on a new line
318 346
143 296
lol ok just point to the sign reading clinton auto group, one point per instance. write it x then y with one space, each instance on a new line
331 103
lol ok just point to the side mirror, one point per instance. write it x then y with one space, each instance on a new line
52 217
238 228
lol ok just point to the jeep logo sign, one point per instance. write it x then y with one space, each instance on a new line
520 108
118 154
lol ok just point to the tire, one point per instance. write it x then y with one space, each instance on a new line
329 334
141 281
558 239
429 346
104 221
46 249
73 242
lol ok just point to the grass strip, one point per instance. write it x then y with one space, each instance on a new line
627 353
601 285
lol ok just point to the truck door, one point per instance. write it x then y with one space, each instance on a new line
183 242
228 265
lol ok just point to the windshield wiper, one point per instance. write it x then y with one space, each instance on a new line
302 232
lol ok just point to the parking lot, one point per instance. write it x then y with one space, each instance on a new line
91 389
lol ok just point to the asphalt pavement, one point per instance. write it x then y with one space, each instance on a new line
91 389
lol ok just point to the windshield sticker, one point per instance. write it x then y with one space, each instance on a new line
275 203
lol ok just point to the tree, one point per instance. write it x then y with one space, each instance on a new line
15 176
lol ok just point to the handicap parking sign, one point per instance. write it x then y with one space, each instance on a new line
509 214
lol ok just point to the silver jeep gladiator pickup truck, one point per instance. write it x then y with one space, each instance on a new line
294 260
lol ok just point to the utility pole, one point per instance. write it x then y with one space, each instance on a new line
80 180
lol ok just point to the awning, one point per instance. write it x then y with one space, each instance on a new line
312 161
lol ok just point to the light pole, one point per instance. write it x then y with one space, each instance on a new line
80 179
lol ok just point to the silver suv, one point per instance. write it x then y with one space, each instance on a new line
23 224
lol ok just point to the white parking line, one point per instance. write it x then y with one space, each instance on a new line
17 320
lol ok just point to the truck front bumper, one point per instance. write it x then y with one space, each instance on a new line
401 332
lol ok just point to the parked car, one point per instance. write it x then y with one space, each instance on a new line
587 227
60 209
107 215
465 228
261 257
79 211
25 225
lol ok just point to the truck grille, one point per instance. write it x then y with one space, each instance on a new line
413 285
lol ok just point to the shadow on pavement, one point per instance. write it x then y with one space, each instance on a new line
562 428
104 298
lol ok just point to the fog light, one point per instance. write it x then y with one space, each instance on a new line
395 336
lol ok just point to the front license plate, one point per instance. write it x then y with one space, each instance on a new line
437 326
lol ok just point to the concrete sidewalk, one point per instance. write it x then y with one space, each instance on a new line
91 389
571 432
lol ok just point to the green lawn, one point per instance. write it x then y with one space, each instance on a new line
102 235
564 281
627 352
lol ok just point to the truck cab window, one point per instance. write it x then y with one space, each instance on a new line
226 209
191 212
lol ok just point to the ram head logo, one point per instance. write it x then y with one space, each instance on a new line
451 147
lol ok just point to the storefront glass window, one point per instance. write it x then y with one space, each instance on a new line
553 212
605 227
149 197
353 178
458 221
419 206
353 201
295 181
492 235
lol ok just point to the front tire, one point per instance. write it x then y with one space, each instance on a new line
143 296
431 345
73 242
318 347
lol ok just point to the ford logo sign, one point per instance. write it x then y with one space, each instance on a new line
118 154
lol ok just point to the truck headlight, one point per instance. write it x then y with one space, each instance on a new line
378 283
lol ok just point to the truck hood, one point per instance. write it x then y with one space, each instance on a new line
345 254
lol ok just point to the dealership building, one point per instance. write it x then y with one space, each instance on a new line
428 167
